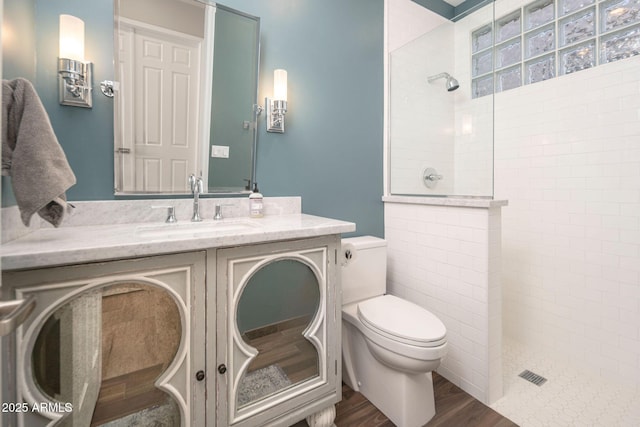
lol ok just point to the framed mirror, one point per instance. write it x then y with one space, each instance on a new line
185 96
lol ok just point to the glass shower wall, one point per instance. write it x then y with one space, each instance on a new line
441 141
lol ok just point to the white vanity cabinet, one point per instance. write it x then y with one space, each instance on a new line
247 335
110 340
278 329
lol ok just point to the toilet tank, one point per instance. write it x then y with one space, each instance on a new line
365 274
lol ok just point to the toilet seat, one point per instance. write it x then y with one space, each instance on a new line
402 321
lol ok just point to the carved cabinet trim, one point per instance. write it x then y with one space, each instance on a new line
235 268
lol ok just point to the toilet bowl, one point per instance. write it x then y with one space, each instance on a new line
390 346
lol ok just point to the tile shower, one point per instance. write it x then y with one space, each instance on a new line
567 158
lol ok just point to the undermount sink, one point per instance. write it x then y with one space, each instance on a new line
195 229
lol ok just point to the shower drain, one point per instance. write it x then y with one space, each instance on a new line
532 378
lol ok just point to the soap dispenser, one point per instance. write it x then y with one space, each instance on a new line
256 206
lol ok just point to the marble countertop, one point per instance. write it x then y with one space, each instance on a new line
80 244
464 202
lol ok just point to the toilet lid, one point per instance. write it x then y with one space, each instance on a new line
402 321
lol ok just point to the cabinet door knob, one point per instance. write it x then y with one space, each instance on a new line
200 375
222 368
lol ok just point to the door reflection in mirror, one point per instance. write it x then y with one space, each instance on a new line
102 352
187 96
276 307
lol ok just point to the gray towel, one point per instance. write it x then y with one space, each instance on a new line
32 156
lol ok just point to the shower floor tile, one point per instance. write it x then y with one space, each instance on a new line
569 397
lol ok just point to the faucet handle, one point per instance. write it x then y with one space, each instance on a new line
218 216
171 213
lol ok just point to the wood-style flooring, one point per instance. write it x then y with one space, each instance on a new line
283 344
454 408
286 346
127 394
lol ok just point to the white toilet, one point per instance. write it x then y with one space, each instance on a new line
389 345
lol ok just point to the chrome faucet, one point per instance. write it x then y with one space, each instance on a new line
197 187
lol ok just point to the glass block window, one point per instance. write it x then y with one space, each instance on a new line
508 79
620 45
577 58
539 69
540 42
549 38
508 27
539 13
616 14
508 53
577 27
482 39
569 6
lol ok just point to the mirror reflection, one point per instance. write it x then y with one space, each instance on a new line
276 328
103 351
186 97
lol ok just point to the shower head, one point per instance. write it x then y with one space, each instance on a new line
451 84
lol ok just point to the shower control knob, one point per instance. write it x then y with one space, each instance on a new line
222 368
430 177
200 375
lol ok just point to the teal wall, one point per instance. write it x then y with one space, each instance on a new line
18 48
86 135
19 39
234 64
331 153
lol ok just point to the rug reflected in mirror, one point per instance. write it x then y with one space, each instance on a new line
261 383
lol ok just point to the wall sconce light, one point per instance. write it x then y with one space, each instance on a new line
277 107
74 75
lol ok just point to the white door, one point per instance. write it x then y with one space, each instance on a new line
160 89
124 130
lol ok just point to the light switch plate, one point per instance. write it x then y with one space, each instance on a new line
221 151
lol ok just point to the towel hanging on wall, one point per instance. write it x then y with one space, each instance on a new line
31 155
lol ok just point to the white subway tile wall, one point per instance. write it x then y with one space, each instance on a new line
568 160
422 114
447 259
431 127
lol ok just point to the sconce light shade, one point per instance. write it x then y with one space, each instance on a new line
280 84
71 38
74 74
277 106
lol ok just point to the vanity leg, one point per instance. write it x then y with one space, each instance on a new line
323 418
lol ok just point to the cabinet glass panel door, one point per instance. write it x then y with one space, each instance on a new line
99 355
274 315
109 344
273 302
